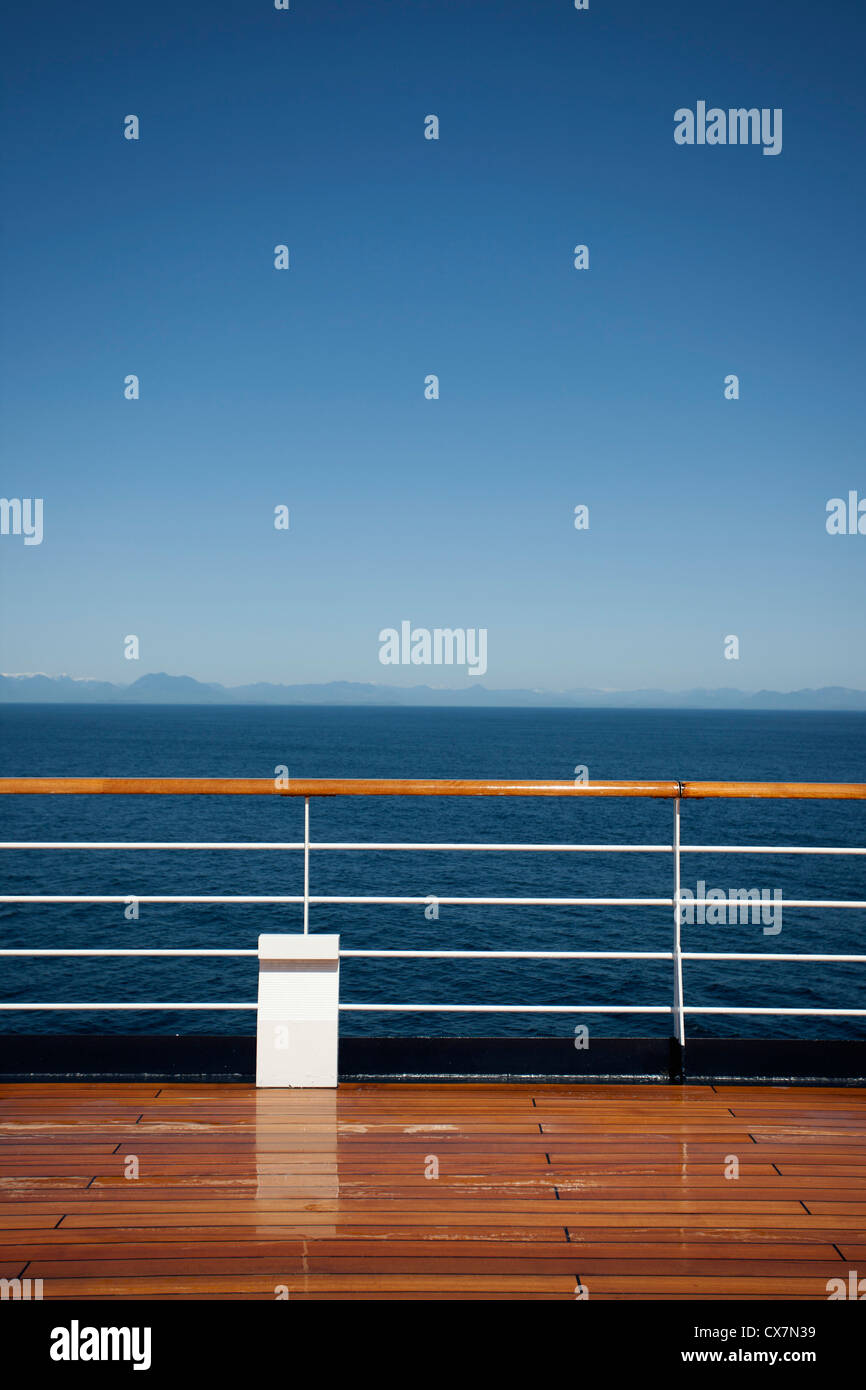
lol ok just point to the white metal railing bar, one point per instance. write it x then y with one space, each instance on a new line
329 845
492 847
769 849
298 898
277 898
510 1008
152 844
732 901
96 1006
582 1009
125 951
519 955
150 898
427 845
441 955
823 1013
766 955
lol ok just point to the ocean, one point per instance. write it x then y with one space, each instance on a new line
323 741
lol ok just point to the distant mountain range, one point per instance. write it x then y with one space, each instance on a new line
161 689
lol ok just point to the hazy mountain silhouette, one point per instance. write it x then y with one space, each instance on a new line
160 688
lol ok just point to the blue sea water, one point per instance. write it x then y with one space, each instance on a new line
323 741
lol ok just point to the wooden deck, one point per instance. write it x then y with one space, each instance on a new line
620 1189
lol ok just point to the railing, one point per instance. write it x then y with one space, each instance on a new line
675 791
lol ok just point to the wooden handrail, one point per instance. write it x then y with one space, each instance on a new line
371 786
318 786
807 791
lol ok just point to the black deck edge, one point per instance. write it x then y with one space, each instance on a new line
198 1058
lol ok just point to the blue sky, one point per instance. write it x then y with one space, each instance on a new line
454 257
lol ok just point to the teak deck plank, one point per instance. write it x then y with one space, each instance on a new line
621 1187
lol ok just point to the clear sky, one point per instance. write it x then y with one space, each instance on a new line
453 257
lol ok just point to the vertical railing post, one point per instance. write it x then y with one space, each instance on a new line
306 865
679 1016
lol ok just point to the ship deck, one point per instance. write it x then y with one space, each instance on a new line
255 1194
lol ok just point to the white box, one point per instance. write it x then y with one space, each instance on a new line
298 1014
